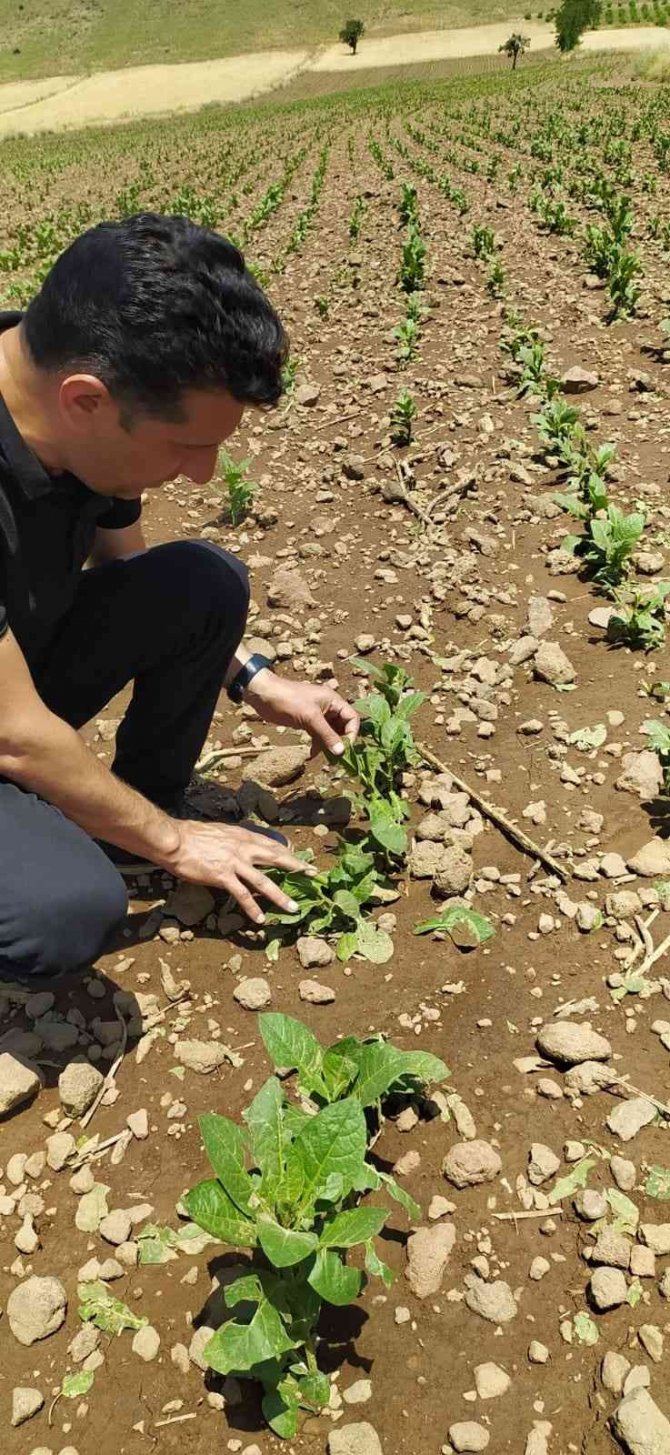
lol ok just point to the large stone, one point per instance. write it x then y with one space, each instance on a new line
642 774
454 871
613 1371
201 1056
612 1248
359 1439
579 381
492 1301
315 993
146 1343
589 1077
652 860
570 1042
313 952
641 1426
18 1082
307 394
253 993
36 1309
469 1163
289 591
276 767
491 1381
629 1117
425 859
540 615
190 904
428 1252
78 1086
467 1435
542 1164
608 1288
25 1403
551 665
657 1237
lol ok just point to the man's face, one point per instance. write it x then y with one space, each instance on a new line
124 460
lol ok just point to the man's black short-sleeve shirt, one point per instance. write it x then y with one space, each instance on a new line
47 529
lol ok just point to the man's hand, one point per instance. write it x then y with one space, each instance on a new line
315 707
227 858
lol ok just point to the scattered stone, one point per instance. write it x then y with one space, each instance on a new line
468 1164
552 665
428 1252
657 1237
590 1205
36 1309
543 1164
78 1086
313 952
612 1248
589 1077
467 1435
116 1227
289 591
196 1348
642 774
25 1403
253 993
628 1118
454 871
358 1393
146 1343
60 1146
539 1269
315 993
651 1340
642 1261
492 1301
354 1440
613 1371
641 1425
652 860
201 1056
538 1353
608 1288
138 1124
19 1081
579 381
569 1043
440 1207
540 616
276 767
307 394
491 1381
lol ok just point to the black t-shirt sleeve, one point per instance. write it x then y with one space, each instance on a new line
3 609
120 514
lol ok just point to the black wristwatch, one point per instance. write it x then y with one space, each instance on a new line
246 674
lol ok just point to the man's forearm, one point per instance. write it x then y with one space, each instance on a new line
54 762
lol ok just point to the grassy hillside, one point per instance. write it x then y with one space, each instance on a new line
53 37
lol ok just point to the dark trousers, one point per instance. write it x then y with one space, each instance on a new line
169 620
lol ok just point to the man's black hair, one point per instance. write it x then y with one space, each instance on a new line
155 305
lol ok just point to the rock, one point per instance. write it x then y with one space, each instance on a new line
538 1353
25 1403
641 1426
313 952
569 1042
651 1339
425 859
196 1348
492 1301
611 1248
540 616
358 1393
19 1081
608 1288
289 591
551 665
628 1117
201 1056
359 1439
590 1205
652 860
613 866
588 1078
469 1163
522 650
307 394
60 1147
36 1309
454 872
440 1207
642 774
657 1237
146 1343
588 917
190 904
642 1261
613 1371
253 993
314 993
664 1285
428 1252
138 1124
579 381
491 1381
542 1165
78 1086
638 1378
468 1435
277 767
116 1227
538 1439
539 1269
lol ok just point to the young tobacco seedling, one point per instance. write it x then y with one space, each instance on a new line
639 620
333 902
408 206
483 241
241 490
608 544
286 1187
412 273
381 754
371 1070
401 416
454 915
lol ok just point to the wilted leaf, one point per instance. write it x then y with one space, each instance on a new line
458 914
658 1183
634 1293
75 1385
585 1329
626 1214
98 1306
568 1186
586 739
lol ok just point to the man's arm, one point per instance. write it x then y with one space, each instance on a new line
111 545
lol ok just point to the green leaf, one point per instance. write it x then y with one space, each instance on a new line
356 1225
347 903
585 1329
626 1214
335 1282
247 1289
314 1390
284 1246
333 1141
658 1183
399 1194
290 1045
373 944
225 1145
422 1066
212 1209
568 1186
98 1306
389 834
265 1121
346 946
634 1293
455 915
375 1267
75 1385
156 1244
281 1417
238 1348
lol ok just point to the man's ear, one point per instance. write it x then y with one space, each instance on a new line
81 397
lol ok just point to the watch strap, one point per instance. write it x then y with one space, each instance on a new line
246 674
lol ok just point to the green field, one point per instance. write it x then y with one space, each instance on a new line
55 37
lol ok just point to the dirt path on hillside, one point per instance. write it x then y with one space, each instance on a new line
64 102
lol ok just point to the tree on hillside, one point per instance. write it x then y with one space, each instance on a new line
574 17
515 47
351 33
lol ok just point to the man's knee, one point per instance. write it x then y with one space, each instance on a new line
214 581
65 923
